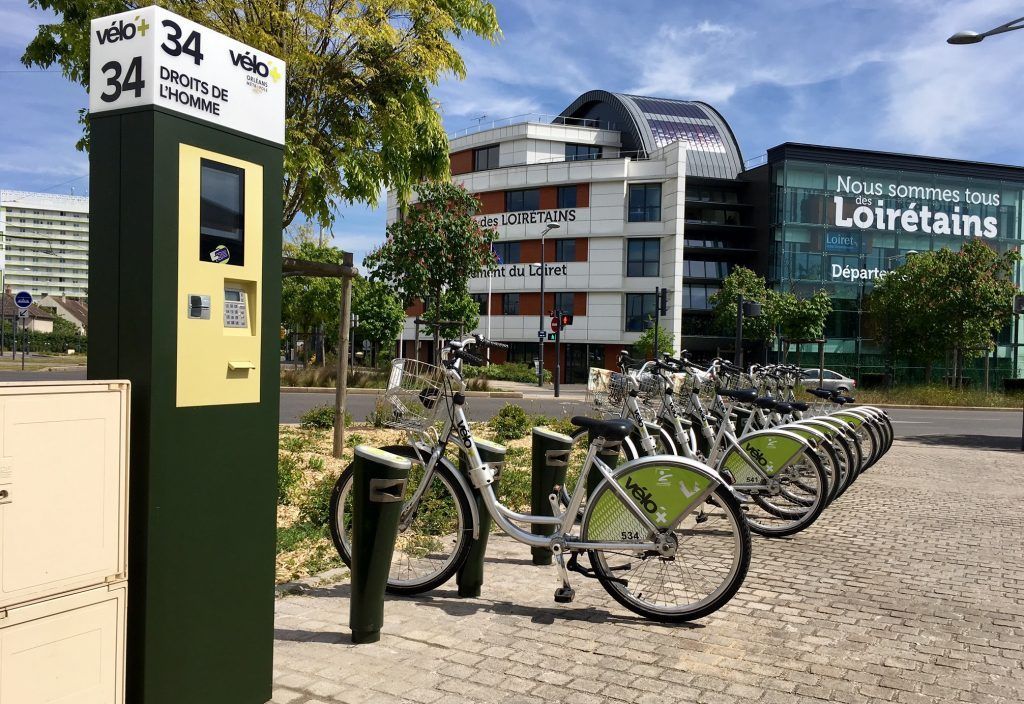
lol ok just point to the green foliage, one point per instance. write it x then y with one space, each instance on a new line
514 485
380 313
800 318
321 418
433 250
753 288
300 442
510 423
644 346
944 301
289 475
359 110
380 414
510 371
311 302
937 395
315 507
291 537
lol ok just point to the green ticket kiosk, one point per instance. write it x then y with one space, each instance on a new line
187 133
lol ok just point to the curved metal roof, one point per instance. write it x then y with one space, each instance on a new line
649 123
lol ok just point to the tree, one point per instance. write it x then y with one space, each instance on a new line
946 302
644 345
379 311
800 318
432 252
359 111
753 288
310 303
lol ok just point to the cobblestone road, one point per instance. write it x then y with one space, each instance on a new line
908 589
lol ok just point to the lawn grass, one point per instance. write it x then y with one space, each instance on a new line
937 395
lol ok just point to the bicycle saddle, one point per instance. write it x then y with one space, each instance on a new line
741 395
844 399
820 393
783 408
765 402
799 405
614 429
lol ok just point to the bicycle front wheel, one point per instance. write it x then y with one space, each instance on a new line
436 540
699 574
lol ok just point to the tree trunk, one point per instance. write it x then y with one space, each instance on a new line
928 372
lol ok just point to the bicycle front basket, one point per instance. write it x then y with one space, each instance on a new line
416 393
606 391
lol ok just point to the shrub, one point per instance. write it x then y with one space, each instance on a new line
321 418
289 474
300 442
510 423
327 377
315 507
380 414
316 463
513 371
478 383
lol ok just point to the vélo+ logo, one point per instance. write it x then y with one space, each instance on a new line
119 30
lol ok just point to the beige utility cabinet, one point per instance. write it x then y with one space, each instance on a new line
63 541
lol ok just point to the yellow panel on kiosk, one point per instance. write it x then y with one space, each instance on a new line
220 257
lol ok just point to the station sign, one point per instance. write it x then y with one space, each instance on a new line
154 57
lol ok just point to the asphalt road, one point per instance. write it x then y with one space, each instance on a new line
982 429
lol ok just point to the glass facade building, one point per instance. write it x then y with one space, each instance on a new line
839 219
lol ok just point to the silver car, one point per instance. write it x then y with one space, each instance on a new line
833 381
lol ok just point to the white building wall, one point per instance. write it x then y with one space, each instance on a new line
46 243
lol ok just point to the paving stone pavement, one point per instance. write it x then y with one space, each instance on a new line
908 589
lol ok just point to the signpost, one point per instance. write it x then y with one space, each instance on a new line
22 299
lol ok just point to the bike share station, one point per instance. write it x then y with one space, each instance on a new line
187 134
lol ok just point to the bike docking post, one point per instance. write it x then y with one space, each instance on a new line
379 485
471 576
549 461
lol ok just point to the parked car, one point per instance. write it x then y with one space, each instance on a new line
833 381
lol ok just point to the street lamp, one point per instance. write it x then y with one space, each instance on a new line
968 37
908 254
540 325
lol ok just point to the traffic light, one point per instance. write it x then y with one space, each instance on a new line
564 319
552 336
663 303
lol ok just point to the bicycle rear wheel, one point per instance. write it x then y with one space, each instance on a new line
434 545
704 567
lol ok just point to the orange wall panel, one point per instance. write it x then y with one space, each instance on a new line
491 202
462 162
583 195
582 247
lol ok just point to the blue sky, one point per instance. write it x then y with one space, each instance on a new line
874 75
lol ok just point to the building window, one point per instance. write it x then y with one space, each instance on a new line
697 296
507 252
643 256
698 269
510 304
645 202
528 199
567 196
565 250
564 302
639 310
485 158
581 152
481 302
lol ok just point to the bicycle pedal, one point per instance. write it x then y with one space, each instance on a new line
701 517
565 595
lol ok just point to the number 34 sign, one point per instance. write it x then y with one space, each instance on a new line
155 57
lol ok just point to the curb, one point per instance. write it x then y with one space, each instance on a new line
376 392
1001 409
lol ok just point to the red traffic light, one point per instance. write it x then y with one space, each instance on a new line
565 319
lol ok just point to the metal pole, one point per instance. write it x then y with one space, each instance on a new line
488 313
3 306
739 331
341 388
657 321
558 351
24 340
540 324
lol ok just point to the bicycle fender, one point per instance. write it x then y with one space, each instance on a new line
772 449
663 487
406 451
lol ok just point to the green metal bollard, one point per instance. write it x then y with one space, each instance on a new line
609 454
471 577
379 485
549 461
